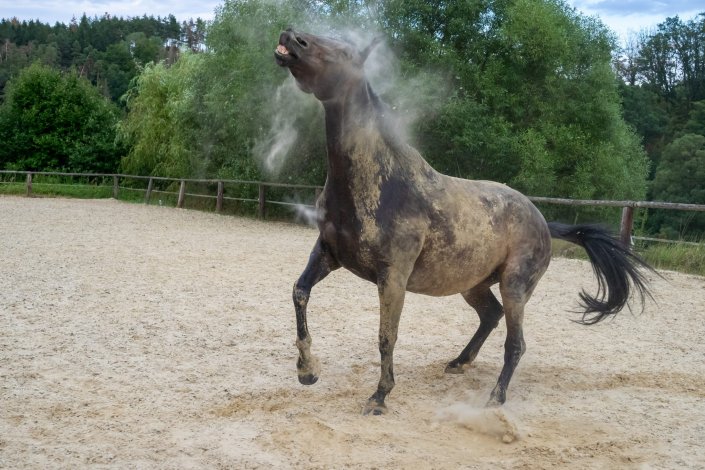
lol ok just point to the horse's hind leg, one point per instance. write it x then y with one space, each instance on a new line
516 285
320 264
514 348
490 312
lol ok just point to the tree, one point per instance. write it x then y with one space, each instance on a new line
663 97
107 50
696 122
193 34
56 121
520 92
247 101
680 177
162 125
534 101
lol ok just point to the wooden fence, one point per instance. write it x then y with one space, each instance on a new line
626 225
118 181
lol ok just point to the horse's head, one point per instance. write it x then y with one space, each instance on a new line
321 65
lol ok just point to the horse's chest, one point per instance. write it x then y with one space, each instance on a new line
346 239
353 237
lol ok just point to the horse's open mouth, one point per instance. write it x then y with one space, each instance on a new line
284 56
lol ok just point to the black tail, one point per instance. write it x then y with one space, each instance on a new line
617 269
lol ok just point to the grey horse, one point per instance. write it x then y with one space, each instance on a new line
388 217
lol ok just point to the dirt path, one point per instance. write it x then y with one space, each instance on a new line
148 337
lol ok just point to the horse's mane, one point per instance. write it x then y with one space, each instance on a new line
390 127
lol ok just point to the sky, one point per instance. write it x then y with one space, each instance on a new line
631 16
622 16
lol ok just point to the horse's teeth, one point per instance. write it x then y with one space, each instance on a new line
282 50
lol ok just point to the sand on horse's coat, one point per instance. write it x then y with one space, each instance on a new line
151 337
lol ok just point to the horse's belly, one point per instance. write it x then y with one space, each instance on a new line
454 271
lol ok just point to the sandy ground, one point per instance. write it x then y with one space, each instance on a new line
149 337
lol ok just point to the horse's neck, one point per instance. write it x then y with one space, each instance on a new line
360 140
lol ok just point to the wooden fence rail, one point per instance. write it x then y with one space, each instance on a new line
626 224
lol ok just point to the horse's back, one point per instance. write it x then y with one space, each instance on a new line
475 228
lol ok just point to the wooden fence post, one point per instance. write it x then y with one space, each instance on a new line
625 228
262 201
182 195
148 194
29 184
219 198
116 187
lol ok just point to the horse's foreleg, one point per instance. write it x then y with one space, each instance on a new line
392 288
490 312
320 264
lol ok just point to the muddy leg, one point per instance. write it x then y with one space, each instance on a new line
391 298
320 264
490 312
514 345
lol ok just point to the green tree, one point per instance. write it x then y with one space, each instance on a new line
664 75
534 99
162 123
247 99
696 122
520 92
680 177
56 121
107 50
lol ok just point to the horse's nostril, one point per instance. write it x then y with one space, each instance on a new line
301 41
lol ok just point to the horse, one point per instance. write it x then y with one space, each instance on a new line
388 217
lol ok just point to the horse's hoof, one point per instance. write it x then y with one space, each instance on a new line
308 371
308 379
495 401
374 408
454 369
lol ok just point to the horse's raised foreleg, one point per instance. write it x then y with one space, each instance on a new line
320 264
392 288
490 312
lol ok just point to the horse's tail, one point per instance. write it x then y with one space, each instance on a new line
617 269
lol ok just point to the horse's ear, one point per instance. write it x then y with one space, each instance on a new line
366 51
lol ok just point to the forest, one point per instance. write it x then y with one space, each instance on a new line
526 92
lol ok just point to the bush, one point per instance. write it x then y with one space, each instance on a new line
56 121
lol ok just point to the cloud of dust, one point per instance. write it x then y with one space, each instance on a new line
289 104
496 421
308 215
410 98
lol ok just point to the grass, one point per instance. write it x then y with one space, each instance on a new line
669 256
75 191
676 257
57 189
49 185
